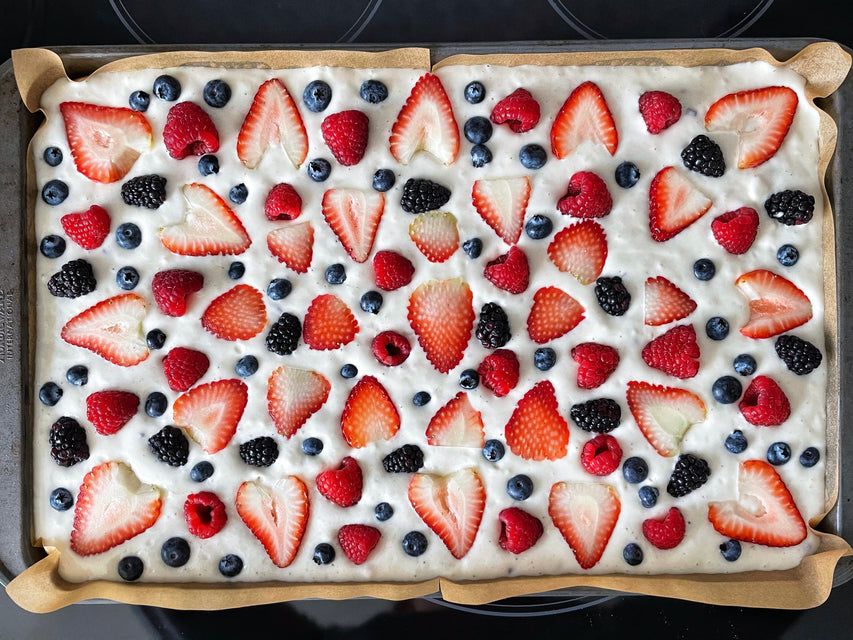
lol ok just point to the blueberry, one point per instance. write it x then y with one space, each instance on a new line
50 393
155 339
349 371
167 88
475 92
478 130
371 302
319 169
246 366
519 487
414 543
539 226
78 375
175 552
726 389
238 193
336 273
745 364
317 96
201 471
731 550
469 379
54 192
632 554
544 358
312 446
52 246
717 328
736 442
493 450
421 398
809 457
217 93
156 404
61 499
648 496
383 179
627 174
704 269
128 236
127 278
481 155
787 255
52 156
778 453
635 470
236 270
279 288
373 91
532 156
383 511
130 568
208 164
230 565
139 100
473 248
324 553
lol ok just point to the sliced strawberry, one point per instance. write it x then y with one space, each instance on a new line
760 117
776 305
664 302
105 141
110 410
509 271
357 541
519 530
112 507
112 329
764 511
435 235
184 367
209 226
502 203
173 287
674 352
283 203
456 424
276 515
595 363
354 215
519 111
586 514
189 131
735 231
584 117
426 123
88 228
342 484
499 372
273 119
667 532
674 204
764 404
205 514
451 505
345 133
211 411
664 414
293 396
441 314
392 270
329 323
536 430
553 314
238 314
293 245
581 250
369 414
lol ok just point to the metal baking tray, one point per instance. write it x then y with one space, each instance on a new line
17 248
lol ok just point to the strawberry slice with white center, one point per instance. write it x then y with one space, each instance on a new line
664 302
329 323
435 235
553 314
664 414
112 507
238 314
293 396
112 329
674 204
210 412
776 305
105 141
584 117
209 226
760 118
456 424
451 505
293 245
580 250
441 314
369 414
354 215
426 123
586 515
764 511
502 203
276 514
536 430
273 120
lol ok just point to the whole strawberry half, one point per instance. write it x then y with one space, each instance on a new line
509 271
369 414
587 197
660 110
580 250
584 118
664 414
208 227
519 111
189 131
674 204
776 304
502 203
735 230
553 314
456 424
88 228
112 329
585 514
519 530
342 485
272 121
205 514
426 123
110 410
210 412
354 215
277 515
293 396
675 352
345 134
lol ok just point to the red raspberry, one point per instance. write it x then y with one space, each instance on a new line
342 485
659 110
519 530
764 404
390 348
595 363
171 289
283 203
587 197
205 514
499 371
189 131
88 228
736 230
518 110
184 367
665 533
509 272
391 270
110 410
674 352
601 455
345 134
357 541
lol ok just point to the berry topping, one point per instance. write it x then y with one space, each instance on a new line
246 366
167 88
391 270
52 156
259 452
216 93
54 192
776 305
735 231
635 470
341 485
345 133
736 442
201 471
477 130
660 110
502 203
273 121
373 91
369 414
519 111
790 207
276 515
236 270
674 352
580 250
421 398
764 404
632 553
110 410
664 414
73 280
61 499
139 101
238 193
421 195
148 191
481 155
68 444
585 514
237 314
704 156
726 390
778 453
184 367
674 204
89 228
324 553
648 496
205 514
627 175
800 356
127 278
52 246
357 541
189 131
317 95
519 530
407 459
601 415
538 227
390 348
664 302
587 197
553 314
170 445
414 544
172 288
536 430
499 372
717 328
667 532
230 565
469 379
156 404
788 255
473 248
595 363
532 156
175 552
383 511
354 216
209 226
426 123
50 393
704 269
493 450
293 396
210 412
730 550
279 288
509 271
336 273
475 92
112 329
371 302
601 455
283 336
442 316
78 375
435 235
282 203
612 296
319 169
128 236
329 323
493 329
809 457
383 179
312 446
584 117
689 474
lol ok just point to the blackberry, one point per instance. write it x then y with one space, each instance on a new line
601 415
421 195
171 446
144 191
407 459
260 452
68 444
690 473
493 327
800 356
284 335
790 207
75 279
705 156
612 295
